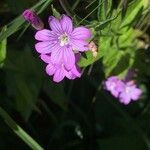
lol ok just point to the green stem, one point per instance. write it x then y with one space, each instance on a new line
19 131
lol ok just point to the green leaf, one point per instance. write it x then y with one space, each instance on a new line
87 60
132 12
55 12
12 28
124 7
17 23
3 45
104 24
25 81
26 95
19 131
104 9
111 60
101 14
118 51
102 47
123 64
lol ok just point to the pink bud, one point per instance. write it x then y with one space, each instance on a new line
93 48
33 18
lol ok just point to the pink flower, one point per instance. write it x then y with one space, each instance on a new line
114 85
124 91
62 40
59 71
130 92
32 18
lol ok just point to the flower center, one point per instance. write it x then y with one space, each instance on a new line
112 86
127 89
63 39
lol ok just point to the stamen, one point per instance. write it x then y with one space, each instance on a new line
63 39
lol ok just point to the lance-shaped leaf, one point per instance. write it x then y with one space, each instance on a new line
132 11
3 45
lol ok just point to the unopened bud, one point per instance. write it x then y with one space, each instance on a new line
33 18
93 48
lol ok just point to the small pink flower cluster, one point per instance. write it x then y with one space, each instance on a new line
60 47
126 90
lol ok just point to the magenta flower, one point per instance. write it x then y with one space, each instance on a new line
130 92
114 85
62 40
32 18
125 91
59 71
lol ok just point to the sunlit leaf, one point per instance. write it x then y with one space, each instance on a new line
132 11
55 12
3 45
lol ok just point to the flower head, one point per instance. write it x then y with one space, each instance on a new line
125 91
59 71
32 18
62 40
130 92
114 85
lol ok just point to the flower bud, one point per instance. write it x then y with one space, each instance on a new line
93 48
33 18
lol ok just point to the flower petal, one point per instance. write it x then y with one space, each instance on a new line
66 24
136 93
57 56
68 58
46 47
55 25
124 98
79 45
45 35
77 56
76 71
81 33
59 75
115 93
50 69
70 75
46 58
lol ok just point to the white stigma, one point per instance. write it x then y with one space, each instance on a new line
63 39
112 86
127 89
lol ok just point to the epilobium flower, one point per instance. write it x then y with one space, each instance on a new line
62 40
32 18
59 71
130 92
114 85
122 89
